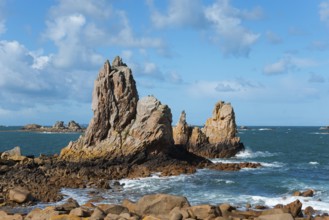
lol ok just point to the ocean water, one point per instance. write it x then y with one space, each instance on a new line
293 159
34 143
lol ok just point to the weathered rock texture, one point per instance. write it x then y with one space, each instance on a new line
216 139
122 126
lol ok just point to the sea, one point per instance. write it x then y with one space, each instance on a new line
292 158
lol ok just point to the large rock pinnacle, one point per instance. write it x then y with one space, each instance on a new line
122 125
221 126
216 139
114 102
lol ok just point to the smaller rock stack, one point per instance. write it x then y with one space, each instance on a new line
217 139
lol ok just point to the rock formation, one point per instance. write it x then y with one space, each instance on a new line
181 131
59 125
72 125
122 126
216 139
221 127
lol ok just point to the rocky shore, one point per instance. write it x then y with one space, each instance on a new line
165 207
128 137
59 126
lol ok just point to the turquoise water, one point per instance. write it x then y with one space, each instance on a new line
293 158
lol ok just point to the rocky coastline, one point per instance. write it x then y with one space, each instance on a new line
129 137
58 127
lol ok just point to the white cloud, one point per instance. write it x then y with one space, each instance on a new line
231 37
238 88
179 13
324 11
79 29
287 64
220 20
125 36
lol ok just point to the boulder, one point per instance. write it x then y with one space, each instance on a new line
14 154
79 212
285 216
98 214
205 211
158 204
5 216
308 193
19 195
295 208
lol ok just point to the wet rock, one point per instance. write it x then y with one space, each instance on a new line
68 206
295 208
309 211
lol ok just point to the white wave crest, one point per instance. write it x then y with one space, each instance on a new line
314 163
274 164
321 206
248 153
265 129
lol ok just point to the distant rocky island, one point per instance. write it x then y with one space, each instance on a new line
59 126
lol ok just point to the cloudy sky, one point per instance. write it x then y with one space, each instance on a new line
269 59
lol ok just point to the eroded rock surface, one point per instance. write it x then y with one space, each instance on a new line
216 139
122 126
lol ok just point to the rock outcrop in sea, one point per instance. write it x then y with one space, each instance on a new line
127 137
217 139
123 126
59 126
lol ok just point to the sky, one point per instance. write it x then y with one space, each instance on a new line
269 59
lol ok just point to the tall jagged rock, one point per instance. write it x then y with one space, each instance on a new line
181 131
221 126
122 125
217 139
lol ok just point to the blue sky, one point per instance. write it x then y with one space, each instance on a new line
268 59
